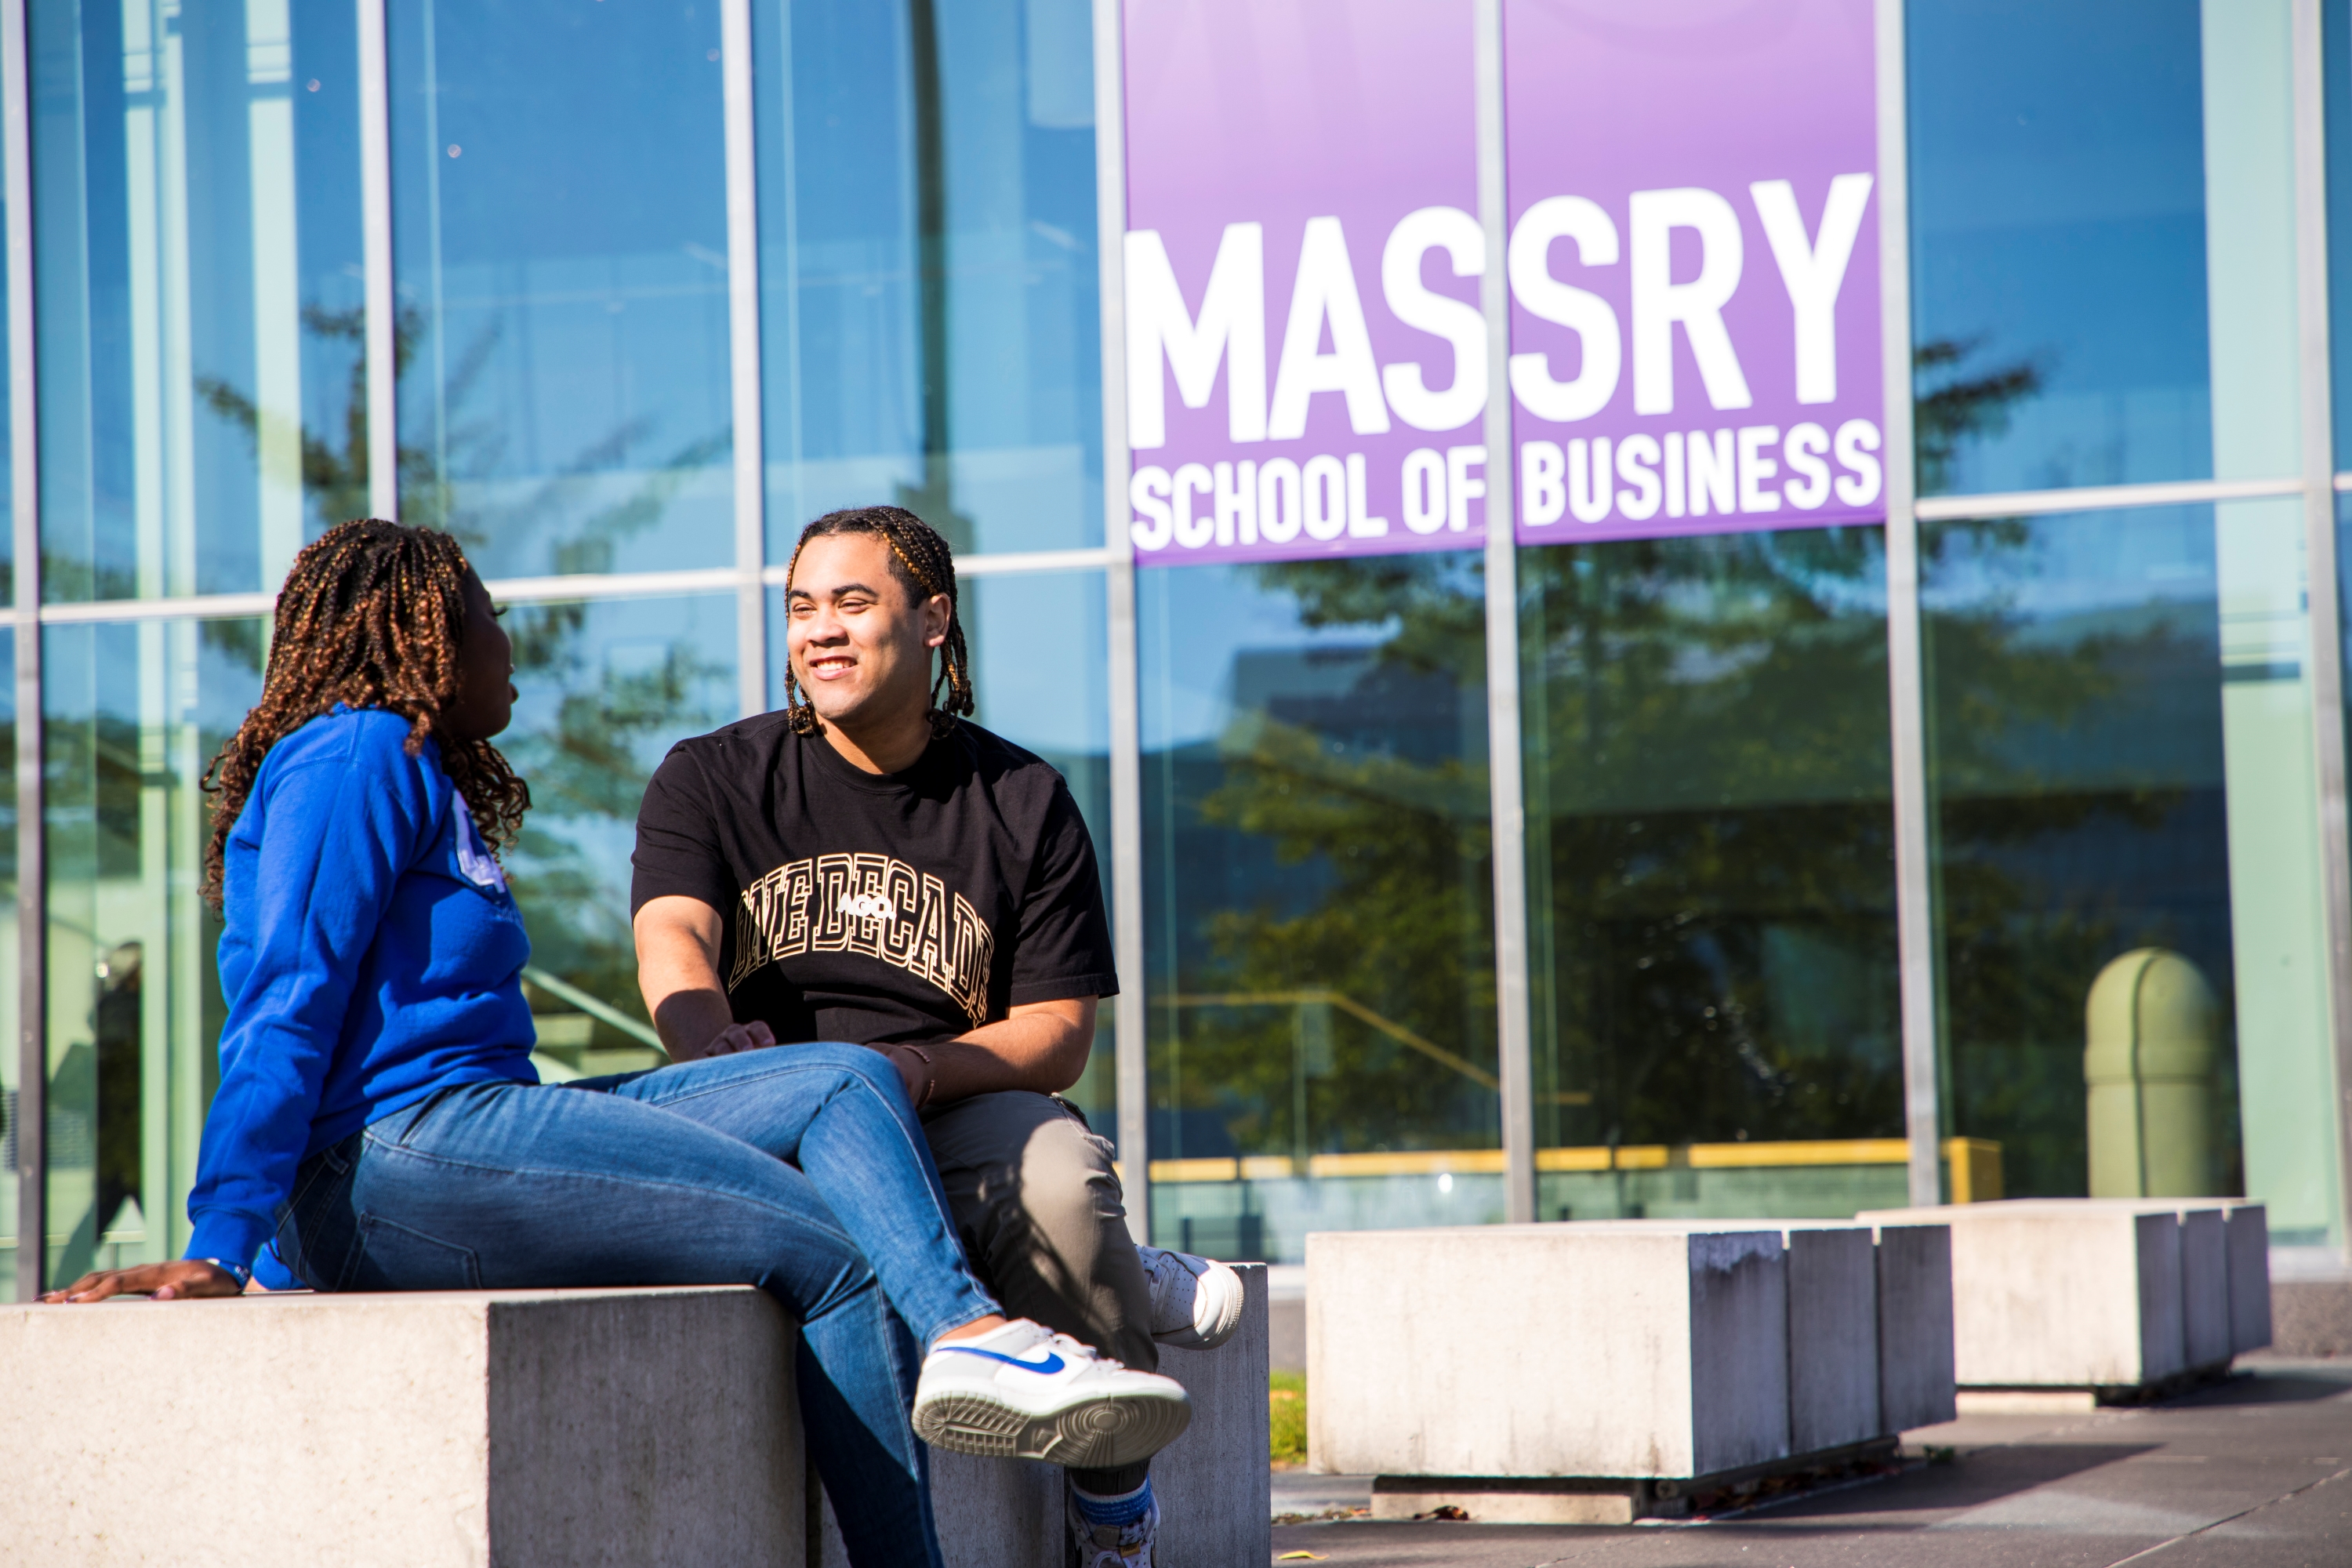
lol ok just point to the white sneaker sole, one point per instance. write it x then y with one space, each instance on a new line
1099 1435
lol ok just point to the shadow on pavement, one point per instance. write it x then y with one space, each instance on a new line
2268 1388
1983 1476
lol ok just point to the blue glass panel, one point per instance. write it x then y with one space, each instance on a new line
929 290
1319 901
2058 243
560 219
1040 675
1710 883
1038 644
606 689
9 1070
132 713
2336 25
198 241
2078 786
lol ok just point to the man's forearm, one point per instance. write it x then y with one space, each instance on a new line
688 1021
1042 1048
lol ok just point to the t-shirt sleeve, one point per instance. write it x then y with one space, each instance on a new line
677 839
1064 947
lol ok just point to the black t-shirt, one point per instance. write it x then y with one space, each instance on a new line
878 907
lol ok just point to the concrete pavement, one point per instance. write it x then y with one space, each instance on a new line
2254 1473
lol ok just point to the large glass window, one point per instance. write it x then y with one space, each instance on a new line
1038 642
1709 881
928 268
607 689
560 224
2081 176
11 1062
2123 775
1319 893
1037 658
197 242
133 712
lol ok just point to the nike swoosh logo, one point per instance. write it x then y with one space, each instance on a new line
1046 1368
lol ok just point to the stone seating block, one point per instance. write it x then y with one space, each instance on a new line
569 1428
1915 1382
2247 1225
573 1429
1870 1326
2204 1287
1578 1350
1834 1368
1214 1489
2067 1293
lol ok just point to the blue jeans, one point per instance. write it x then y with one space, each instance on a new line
801 1170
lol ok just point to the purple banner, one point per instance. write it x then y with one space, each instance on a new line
1306 363
1694 266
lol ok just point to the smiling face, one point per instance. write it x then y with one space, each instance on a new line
486 693
860 639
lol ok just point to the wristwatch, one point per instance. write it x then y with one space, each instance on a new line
243 1275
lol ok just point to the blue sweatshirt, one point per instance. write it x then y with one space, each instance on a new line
373 956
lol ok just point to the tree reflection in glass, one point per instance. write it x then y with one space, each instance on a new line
1315 796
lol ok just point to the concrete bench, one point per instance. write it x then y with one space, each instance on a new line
1605 1371
2110 1298
569 1428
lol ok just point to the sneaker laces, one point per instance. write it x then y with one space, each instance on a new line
1079 1350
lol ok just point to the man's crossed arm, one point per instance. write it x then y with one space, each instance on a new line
1041 1045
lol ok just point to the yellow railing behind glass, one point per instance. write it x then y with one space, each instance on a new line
1972 1164
1355 1010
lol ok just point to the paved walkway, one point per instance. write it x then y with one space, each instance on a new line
2254 1473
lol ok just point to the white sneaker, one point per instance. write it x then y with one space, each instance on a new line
1195 1303
1020 1393
1112 1545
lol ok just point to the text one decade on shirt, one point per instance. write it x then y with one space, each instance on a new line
1692 261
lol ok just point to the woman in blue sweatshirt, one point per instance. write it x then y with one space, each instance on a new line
379 1119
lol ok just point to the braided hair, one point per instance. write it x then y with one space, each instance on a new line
371 615
922 562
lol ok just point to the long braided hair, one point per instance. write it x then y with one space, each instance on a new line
371 615
920 559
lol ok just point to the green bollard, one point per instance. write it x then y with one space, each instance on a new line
2154 1028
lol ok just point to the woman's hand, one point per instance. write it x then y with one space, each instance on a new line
163 1281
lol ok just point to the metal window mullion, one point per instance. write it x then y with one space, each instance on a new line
1506 799
743 348
25 496
1131 1012
2321 584
375 229
1915 871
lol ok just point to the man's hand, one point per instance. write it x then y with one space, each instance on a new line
678 970
913 1071
754 1036
189 1276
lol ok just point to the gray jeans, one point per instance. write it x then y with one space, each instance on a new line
1043 1223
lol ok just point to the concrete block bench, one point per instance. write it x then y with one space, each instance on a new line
2110 1299
1605 1371
569 1428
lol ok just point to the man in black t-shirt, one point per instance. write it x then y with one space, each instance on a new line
867 865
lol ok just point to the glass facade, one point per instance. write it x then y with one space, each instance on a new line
928 267
1319 881
197 238
560 255
2124 761
1709 826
